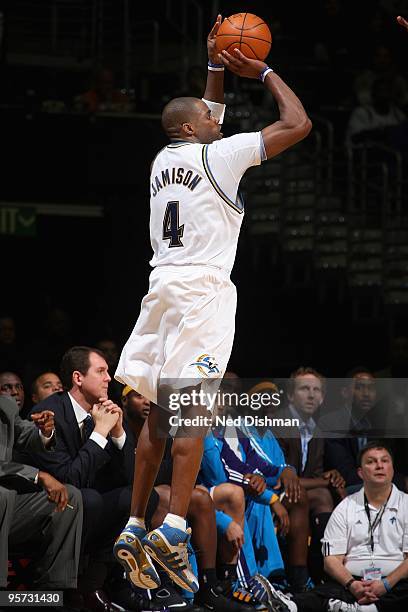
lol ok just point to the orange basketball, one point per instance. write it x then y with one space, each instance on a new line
246 32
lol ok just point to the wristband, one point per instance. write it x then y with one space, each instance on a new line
215 67
264 72
387 585
349 583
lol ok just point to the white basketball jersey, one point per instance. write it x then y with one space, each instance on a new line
195 208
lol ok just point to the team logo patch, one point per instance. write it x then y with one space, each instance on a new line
206 365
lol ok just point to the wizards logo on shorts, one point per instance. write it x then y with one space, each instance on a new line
206 365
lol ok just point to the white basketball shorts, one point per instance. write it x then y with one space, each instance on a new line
185 330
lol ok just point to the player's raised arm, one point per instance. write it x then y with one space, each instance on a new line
293 124
402 22
214 90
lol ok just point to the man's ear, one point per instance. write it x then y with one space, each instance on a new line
360 472
188 129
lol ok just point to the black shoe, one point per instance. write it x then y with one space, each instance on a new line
166 598
236 593
213 598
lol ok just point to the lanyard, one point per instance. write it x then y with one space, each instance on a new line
377 520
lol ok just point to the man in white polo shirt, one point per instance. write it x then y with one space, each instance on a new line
365 546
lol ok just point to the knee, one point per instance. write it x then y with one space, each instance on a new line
92 503
200 502
234 496
322 501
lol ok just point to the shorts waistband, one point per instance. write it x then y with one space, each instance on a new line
190 267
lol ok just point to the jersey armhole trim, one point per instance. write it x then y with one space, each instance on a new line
238 206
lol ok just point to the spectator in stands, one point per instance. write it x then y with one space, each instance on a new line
365 546
103 96
44 385
55 513
374 120
350 427
303 447
94 453
12 385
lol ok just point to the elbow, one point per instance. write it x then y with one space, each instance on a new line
307 126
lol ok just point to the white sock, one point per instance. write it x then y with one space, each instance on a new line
175 521
368 607
136 521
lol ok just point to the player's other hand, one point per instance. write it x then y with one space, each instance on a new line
235 536
241 65
213 55
44 421
256 484
402 22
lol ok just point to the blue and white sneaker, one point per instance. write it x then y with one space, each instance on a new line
169 547
138 566
265 592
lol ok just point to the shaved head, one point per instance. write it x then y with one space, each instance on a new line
177 112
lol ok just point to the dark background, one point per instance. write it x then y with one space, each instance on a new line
96 268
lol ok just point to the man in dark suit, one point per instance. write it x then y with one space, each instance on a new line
303 447
27 511
94 453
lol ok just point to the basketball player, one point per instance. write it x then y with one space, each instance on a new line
186 326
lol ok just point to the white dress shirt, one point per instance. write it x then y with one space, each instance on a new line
81 415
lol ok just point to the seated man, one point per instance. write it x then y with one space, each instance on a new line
93 453
303 447
25 511
365 546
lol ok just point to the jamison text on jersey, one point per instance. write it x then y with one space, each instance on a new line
180 176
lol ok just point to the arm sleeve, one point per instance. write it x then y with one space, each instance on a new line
334 541
217 109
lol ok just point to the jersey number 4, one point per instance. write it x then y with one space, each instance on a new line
171 229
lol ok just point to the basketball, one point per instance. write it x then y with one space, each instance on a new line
246 32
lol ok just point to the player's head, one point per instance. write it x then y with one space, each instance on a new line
135 405
11 384
360 392
44 385
190 119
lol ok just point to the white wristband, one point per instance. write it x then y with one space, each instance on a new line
215 68
264 72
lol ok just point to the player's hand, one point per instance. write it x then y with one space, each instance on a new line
56 491
239 64
213 55
235 536
402 22
256 484
335 478
291 485
44 421
283 517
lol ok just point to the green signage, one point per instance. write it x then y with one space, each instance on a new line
18 221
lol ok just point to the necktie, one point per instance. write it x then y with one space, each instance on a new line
87 429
